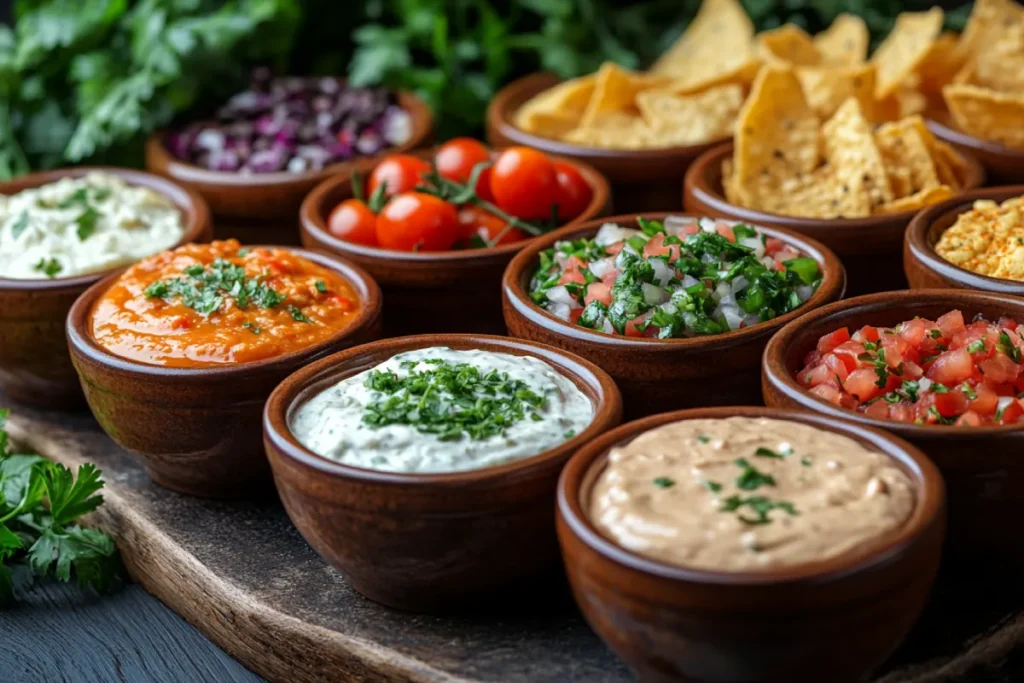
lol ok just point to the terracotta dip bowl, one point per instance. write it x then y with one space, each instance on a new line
869 247
656 375
197 430
642 180
438 291
1005 165
982 466
925 269
429 542
833 620
261 208
34 364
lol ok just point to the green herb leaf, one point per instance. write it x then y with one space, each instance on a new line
751 478
713 486
50 267
1007 346
297 314
321 286
664 482
977 346
86 223
20 225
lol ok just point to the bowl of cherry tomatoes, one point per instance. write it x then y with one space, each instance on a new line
437 227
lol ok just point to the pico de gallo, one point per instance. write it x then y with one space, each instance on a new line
946 371
683 277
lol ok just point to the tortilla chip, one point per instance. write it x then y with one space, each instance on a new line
819 194
615 90
987 114
905 48
989 20
788 44
903 147
717 46
995 46
615 130
917 201
777 131
851 151
941 64
845 41
691 119
827 87
732 195
950 165
557 110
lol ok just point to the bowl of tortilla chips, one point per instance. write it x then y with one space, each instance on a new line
982 89
843 180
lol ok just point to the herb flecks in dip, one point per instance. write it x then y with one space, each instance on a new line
988 239
77 226
680 278
214 304
443 410
742 494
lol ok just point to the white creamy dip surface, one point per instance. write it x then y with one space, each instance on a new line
331 424
76 226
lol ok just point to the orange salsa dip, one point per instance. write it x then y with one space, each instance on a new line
214 304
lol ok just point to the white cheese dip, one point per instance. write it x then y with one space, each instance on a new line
332 424
76 226
742 494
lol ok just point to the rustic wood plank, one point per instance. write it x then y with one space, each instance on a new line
58 632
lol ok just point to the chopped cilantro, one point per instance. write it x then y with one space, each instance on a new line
1007 346
320 286
86 223
713 486
703 439
255 329
936 333
976 346
752 478
50 267
664 482
805 461
297 314
205 288
968 391
20 225
759 505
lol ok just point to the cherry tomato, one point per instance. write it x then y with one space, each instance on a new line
474 221
401 172
414 221
353 221
574 193
456 159
524 183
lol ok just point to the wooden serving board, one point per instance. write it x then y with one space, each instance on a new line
241 573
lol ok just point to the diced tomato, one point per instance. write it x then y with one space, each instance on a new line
614 249
878 410
575 314
985 401
1000 369
656 247
833 339
837 367
849 352
950 324
862 384
866 334
631 327
1012 413
827 392
598 291
914 331
1007 323
968 419
912 370
901 413
571 273
952 367
610 277
951 403
897 350
773 245
725 231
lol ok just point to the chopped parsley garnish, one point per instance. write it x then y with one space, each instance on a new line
86 223
205 288
450 400
569 433
20 225
751 478
805 461
759 505
79 196
50 267
320 286
769 453
936 333
976 346
297 314
1007 346
703 439
940 418
881 367
255 329
713 486
664 482
242 253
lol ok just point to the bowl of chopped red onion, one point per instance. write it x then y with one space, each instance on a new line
269 145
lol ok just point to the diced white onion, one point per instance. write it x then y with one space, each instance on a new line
690 281
751 319
722 291
676 225
732 314
606 326
662 272
1003 402
707 224
560 295
610 233
602 266
653 294
924 384
559 310
804 292
768 262
755 244
739 284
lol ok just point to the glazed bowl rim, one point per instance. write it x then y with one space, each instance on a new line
704 192
185 171
295 391
314 224
956 136
81 341
929 487
775 373
920 246
195 211
833 279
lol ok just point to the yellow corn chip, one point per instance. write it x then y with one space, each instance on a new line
691 119
903 147
819 194
845 41
989 20
557 110
941 64
788 44
851 151
716 47
987 114
949 165
905 48
827 87
615 90
900 180
732 195
995 46
615 130
918 200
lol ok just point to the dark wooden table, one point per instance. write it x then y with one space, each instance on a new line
58 633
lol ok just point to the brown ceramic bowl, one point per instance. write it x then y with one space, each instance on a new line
197 430
656 375
438 291
869 247
1005 165
262 208
982 465
833 620
34 364
925 269
642 180
429 542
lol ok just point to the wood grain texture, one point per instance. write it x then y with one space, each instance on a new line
57 632
242 575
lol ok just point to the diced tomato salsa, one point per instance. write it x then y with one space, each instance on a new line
945 371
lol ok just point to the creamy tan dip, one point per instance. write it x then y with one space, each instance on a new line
742 494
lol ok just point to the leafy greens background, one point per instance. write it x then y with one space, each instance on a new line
85 80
